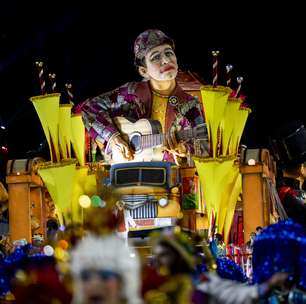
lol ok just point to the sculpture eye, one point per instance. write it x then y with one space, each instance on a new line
169 53
155 57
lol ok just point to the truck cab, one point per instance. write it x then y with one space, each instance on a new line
151 192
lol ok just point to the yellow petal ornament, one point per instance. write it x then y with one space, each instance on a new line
214 101
59 180
239 124
226 205
78 137
65 130
219 174
228 122
47 108
231 206
212 174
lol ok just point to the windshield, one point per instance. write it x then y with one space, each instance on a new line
140 176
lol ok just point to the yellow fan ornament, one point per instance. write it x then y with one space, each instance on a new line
219 173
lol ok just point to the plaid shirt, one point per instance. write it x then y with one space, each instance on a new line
134 100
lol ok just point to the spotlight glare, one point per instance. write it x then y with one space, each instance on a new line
84 201
48 250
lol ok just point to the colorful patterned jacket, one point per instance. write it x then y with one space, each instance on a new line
134 100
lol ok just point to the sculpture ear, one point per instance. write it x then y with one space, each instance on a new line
143 72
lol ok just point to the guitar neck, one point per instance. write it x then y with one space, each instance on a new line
154 140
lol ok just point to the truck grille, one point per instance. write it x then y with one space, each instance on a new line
148 210
141 206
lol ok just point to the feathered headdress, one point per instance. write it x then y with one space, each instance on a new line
281 247
108 253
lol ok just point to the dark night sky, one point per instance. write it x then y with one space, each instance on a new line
92 48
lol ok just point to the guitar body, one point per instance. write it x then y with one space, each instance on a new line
132 132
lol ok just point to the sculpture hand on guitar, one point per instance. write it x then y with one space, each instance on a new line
142 140
176 148
122 146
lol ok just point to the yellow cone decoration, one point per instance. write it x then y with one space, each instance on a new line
59 180
47 108
228 202
214 101
64 181
240 121
65 130
228 123
213 175
78 137
231 205
219 174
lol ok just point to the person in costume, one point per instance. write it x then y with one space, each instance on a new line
289 147
169 280
124 220
31 277
250 243
157 97
281 247
176 280
220 247
104 270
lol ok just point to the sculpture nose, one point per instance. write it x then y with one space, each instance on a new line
164 59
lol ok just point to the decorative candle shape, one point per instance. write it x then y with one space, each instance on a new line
239 81
229 68
52 81
70 95
215 67
39 65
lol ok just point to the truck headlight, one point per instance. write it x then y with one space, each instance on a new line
175 190
163 202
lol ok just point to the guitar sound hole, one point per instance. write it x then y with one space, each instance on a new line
135 142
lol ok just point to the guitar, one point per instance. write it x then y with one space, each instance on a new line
145 138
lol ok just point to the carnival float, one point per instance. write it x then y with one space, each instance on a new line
230 191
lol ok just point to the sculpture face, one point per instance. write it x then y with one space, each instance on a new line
161 63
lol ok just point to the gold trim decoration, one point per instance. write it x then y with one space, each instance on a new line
38 97
220 159
50 164
211 88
